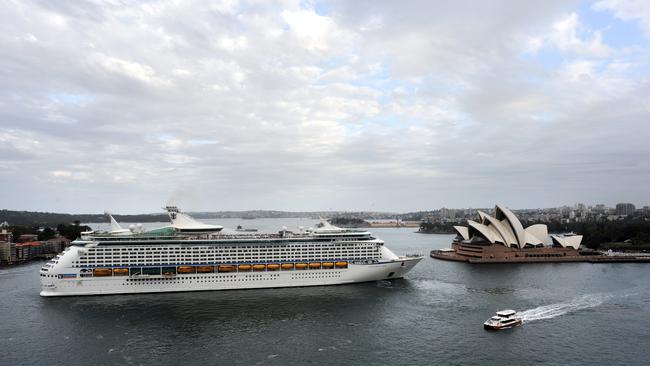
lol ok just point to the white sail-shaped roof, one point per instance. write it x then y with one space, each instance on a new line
463 231
501 213
482 215
505 228
488 233
572 241
536 234
504 231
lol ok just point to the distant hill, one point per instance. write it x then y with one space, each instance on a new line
349 222
31 218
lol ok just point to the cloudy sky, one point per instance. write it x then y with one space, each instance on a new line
308 105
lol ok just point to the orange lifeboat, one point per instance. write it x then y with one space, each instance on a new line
301 265
314 265
120 271
102 272
227 268
259 267
186 269
341 264
205 269
328 265
273 267
244 267
287 266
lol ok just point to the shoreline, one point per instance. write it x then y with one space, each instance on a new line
454 257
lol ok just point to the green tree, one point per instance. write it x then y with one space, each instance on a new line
46 234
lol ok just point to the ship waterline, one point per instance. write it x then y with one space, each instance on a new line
191 256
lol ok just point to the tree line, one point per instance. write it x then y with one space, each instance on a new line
71 231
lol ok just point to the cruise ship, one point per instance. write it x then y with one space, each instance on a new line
192 256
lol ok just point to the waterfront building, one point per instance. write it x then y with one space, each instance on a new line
625 209
25 238
6 236
28 250
7 252
56 244
502 237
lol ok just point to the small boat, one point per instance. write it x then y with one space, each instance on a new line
186 269
226 268
287 266
239 228
328 264
341 264
301 265
102 272
503 320
273 267
244 267
120 271
259 267
205 269
314 265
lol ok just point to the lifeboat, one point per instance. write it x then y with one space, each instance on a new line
314 265
205 269
102 272
301 265
341 264
186 269
120 271
259 267
227 268
287 266
273 267
328 265
244 267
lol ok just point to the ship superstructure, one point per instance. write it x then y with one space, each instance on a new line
191 256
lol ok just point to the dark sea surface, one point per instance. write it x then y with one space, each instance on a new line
576 314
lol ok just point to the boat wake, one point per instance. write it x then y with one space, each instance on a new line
562 308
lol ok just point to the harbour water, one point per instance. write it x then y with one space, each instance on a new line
575 314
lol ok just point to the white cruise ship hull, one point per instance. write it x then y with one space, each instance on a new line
354 273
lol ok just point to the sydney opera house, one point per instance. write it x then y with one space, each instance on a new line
502 237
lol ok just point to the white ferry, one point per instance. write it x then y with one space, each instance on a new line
193 256
503 320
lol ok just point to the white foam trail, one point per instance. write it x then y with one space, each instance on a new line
555 310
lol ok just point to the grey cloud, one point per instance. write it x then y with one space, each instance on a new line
401 107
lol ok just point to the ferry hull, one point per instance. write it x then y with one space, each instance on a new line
355 273
500 327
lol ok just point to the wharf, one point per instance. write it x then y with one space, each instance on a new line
451 255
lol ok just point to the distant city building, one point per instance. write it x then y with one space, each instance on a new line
7 252
56 245
625 209
28 251
25 238
6 247
6 236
